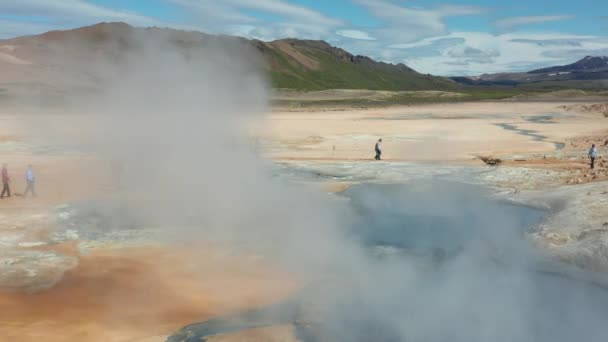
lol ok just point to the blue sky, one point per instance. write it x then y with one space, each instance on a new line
465 37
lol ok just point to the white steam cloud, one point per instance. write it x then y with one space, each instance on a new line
176 118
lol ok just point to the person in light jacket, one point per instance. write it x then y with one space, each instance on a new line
593 155
30 180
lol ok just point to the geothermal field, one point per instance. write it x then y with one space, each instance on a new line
180 198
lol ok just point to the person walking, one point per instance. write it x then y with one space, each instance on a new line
6 189
30 180
378 149
593 155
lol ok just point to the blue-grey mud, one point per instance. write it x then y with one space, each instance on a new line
530 133
442 261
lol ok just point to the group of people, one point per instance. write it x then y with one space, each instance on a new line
30 180
592 152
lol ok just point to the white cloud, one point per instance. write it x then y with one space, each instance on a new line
458 10
225 16
230 16
576 54
406 24
355 34
286 9
11 29
464 54
70 11
420 38
210 13
475 53
550 42
62 14
514 22
435 43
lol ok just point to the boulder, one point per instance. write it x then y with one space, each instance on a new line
490 160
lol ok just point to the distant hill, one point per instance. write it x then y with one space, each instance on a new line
305 64
52 63
587 69
51 60
587 64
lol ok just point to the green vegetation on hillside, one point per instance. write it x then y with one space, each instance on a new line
335 73
302 65
360 99
315 65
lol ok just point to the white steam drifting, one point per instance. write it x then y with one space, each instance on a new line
175 118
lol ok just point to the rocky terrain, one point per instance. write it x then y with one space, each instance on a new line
599 108
577 230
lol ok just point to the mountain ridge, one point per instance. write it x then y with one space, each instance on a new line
290 63
51 59
589 68
590 63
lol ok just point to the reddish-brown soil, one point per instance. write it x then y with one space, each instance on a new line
125 295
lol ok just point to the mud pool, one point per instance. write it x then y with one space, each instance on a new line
440 261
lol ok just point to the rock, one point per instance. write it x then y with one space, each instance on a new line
557 239
576 232
490 160
589 233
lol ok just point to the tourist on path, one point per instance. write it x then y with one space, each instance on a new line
6 190
378 149
593 155
30 179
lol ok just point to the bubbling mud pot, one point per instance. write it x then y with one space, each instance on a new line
441 261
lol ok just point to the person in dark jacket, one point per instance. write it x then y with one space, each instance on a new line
6 189
378 149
